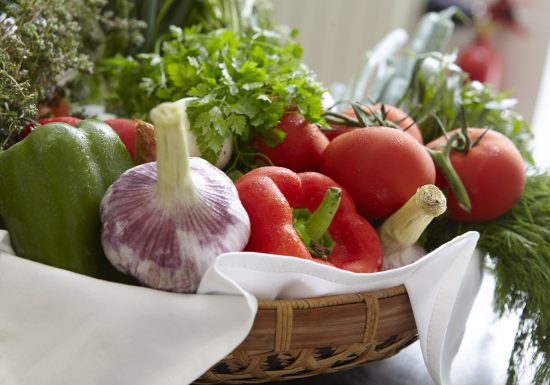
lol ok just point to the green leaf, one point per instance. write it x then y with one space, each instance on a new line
203 122
243 82
237 124
273 137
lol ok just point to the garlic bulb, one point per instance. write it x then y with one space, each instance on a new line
399 233
165 222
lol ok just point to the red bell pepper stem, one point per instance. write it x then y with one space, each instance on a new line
312 228
317 225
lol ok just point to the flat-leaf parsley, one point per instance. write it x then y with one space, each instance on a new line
243 82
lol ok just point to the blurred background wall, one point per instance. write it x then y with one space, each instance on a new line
336 33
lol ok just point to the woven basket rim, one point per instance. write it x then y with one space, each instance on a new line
332 300
296 338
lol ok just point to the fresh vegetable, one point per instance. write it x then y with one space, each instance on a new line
301 148
492 171
70 120
52 185
165 222
42 42
439 94
444 97
290 214
383 78
400 232
378 115
158 15
146 144
380 167
244 82
126 130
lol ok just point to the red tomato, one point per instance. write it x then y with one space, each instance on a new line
65 119
71 120
492 172
302 147
126 130
393 114
381 168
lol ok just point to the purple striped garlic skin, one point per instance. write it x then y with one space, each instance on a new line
169 245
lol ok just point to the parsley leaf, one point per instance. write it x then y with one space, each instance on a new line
243 82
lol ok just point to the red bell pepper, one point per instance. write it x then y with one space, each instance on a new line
274 198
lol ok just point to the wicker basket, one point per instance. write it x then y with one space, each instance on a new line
299 338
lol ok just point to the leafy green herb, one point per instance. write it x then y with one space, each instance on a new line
243 83
518 246
209 15
40 44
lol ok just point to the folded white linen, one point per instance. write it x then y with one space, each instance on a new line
58 327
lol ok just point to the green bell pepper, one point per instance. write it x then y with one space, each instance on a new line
51 186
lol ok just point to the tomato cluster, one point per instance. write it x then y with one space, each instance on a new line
383 166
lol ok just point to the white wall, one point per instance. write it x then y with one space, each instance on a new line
335 33
524 56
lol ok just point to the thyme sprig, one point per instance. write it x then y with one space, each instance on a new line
40 41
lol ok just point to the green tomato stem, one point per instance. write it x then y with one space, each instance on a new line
442 160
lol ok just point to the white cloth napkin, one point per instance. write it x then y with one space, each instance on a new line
57 327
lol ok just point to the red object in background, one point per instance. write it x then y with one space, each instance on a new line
503 12
71 120
126 130
482 61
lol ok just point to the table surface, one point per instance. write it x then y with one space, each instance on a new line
482 358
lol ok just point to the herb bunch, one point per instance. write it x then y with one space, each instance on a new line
244 83
40 42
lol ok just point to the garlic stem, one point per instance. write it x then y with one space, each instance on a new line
403 228
173 180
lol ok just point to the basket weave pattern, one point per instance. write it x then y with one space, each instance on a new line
299 338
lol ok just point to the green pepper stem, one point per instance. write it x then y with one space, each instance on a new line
443 162
319 222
